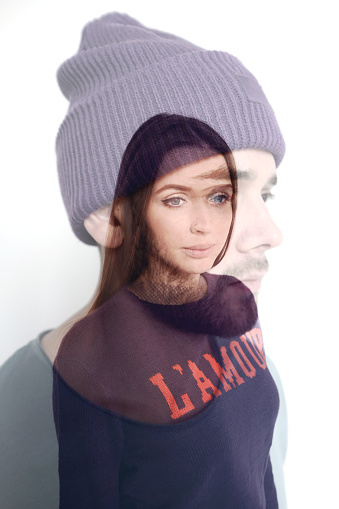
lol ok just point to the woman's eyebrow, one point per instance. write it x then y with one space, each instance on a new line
173 186
221 173
178 187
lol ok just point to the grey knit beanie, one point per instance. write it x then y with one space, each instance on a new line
125 73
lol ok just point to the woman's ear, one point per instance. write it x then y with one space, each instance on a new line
97 224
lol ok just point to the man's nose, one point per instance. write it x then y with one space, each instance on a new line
255 229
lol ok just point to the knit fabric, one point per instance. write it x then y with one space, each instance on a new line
125 73
165 406
28 442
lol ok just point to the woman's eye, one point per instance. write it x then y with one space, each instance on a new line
173 202
219 198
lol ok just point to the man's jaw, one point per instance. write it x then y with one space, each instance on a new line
250 272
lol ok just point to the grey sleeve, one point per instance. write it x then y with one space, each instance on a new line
28 443
279 445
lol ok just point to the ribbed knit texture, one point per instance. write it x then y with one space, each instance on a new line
125 73
166 406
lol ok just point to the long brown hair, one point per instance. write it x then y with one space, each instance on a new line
140 167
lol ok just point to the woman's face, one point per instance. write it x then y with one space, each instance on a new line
189 216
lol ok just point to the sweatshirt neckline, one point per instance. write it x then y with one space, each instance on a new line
227 309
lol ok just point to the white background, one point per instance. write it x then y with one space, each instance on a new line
46 273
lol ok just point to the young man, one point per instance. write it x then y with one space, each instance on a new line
122 75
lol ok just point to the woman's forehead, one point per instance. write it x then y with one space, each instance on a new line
212 168
184 156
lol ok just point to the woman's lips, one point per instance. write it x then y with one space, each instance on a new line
200 251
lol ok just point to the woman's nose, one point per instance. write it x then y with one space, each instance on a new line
200 220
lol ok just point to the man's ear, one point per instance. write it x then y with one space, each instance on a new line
97 224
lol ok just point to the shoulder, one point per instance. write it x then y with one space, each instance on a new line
27 363
25 380
28 445
50 342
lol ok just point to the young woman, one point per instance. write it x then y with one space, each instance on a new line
161 392
162 397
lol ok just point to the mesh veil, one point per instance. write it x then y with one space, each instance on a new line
150 362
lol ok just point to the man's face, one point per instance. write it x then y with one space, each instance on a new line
254 230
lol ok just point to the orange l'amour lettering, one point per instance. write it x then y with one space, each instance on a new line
254 338
226 374
203 382
244 362
158 380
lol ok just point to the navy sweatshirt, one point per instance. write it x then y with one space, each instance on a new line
166 406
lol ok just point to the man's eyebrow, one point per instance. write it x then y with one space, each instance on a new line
250 175
273 180
247 175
